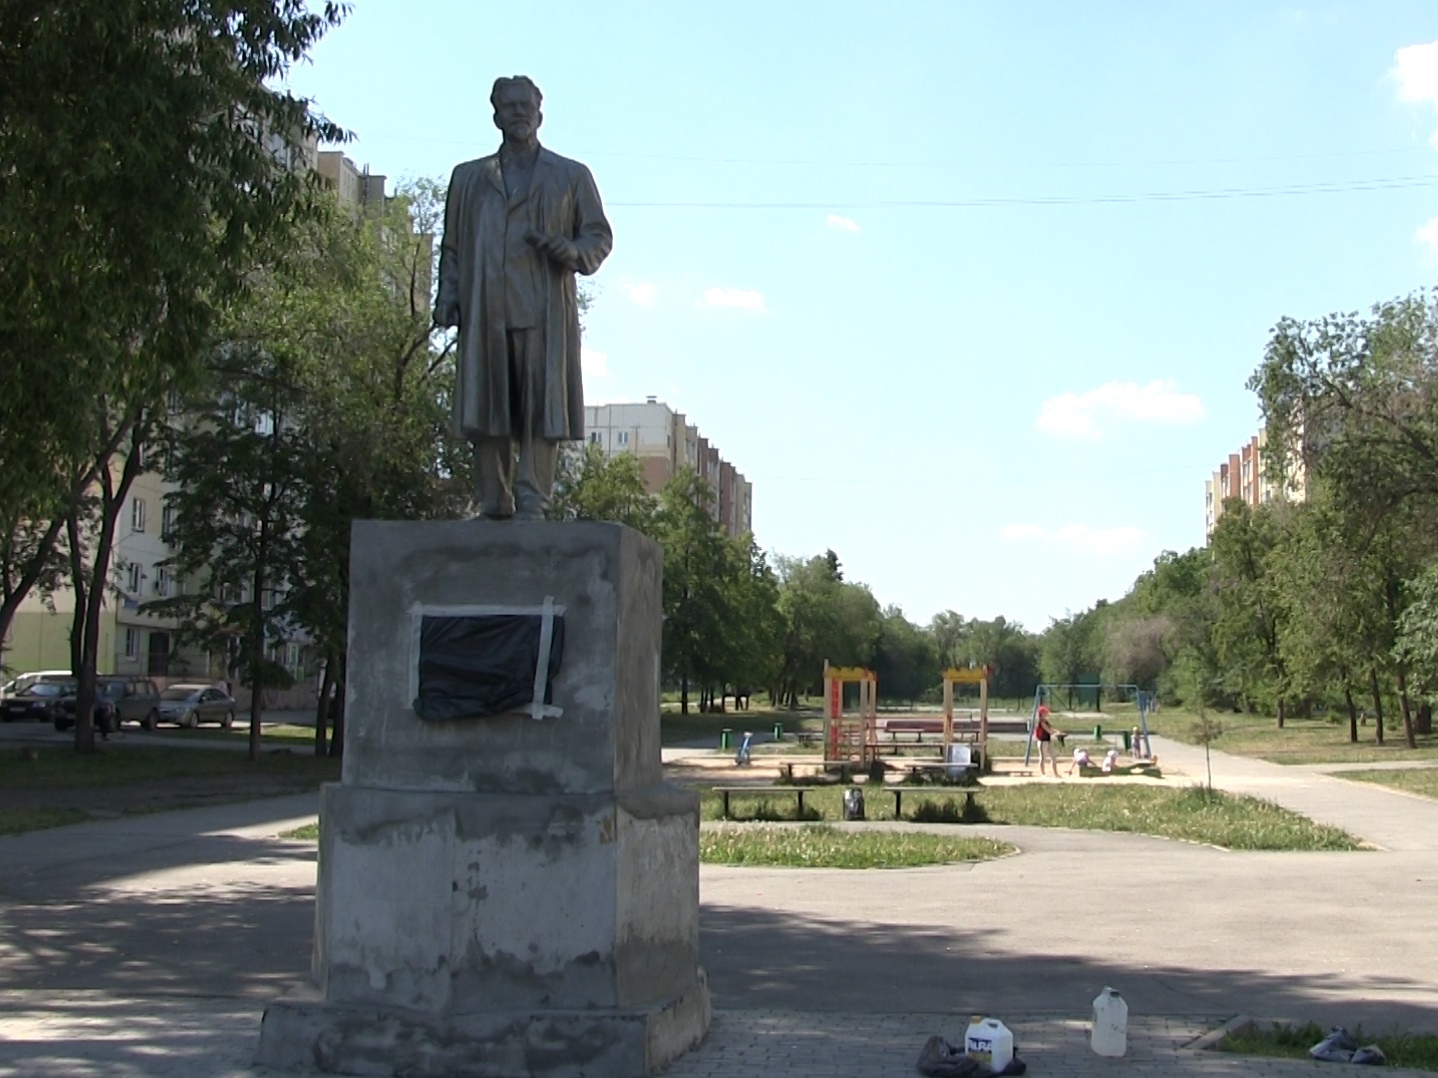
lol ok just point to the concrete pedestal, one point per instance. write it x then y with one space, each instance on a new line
502 896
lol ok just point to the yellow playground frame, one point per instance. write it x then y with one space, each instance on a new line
848 736
973 675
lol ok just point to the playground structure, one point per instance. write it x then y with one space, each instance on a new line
974 675
1045 694
850 737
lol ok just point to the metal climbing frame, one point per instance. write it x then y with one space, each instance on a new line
850 737
1047 690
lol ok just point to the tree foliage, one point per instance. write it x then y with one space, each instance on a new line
144 154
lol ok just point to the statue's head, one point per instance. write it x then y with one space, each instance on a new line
516 107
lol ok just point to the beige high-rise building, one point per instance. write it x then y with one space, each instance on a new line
1244 475
665 441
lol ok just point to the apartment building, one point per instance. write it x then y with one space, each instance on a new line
665 441
133 641
1244 476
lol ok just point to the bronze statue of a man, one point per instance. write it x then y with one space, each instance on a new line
518 225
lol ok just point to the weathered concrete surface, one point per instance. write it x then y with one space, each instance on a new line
607 578
503 896
461 902
299 1033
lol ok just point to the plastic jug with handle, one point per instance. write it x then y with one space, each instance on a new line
990 1042
1110 1024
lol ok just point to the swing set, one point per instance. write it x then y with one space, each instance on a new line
1046 694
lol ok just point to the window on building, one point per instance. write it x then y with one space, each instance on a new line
594 436
622 438
137 514
167 523
132 643
162 581
132 578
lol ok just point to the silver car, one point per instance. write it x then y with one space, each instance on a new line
190 705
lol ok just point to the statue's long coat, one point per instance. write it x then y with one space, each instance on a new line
562 200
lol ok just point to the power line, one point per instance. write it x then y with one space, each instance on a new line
705 159
1384 184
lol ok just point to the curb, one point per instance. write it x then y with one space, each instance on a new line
1214 1037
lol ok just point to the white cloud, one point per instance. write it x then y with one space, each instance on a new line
1077 415
644 293
747 299
840 223
1428 234
1415 68
593 363
1079 537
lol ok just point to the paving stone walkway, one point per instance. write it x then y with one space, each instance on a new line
113 963
92 1035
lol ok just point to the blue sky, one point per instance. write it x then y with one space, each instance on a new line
969 292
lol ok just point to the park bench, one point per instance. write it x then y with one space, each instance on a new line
898 791
797 791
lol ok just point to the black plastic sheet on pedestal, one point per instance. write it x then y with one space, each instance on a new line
476 666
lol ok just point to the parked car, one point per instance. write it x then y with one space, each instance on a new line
190 705
118 699
40 699
21 682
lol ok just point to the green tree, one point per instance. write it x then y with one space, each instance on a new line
906 658
139 145
591 485
698 616
240 466
826 619
1252 612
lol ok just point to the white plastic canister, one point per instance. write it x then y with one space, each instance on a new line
989 1041
1110 1024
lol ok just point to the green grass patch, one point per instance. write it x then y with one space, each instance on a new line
1416 1050
1301 741
1418 780
829 847
63 768
15 821
1234 821
676 729
310 832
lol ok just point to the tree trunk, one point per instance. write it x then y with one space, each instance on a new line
1423 721
111 499
1278 706
337 708
322 712
77 582
1377 702
684 695
35 567
1352 711
1403 705
257 663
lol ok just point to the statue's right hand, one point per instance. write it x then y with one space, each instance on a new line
447 316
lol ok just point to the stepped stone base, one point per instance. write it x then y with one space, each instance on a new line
304 1032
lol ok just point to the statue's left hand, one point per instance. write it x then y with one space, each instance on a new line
560 250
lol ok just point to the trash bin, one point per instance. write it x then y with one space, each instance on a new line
724 736
853 803
1127 741
1098 733
959 759
778 731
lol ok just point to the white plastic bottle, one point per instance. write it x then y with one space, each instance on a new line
1110 1024
989 1041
